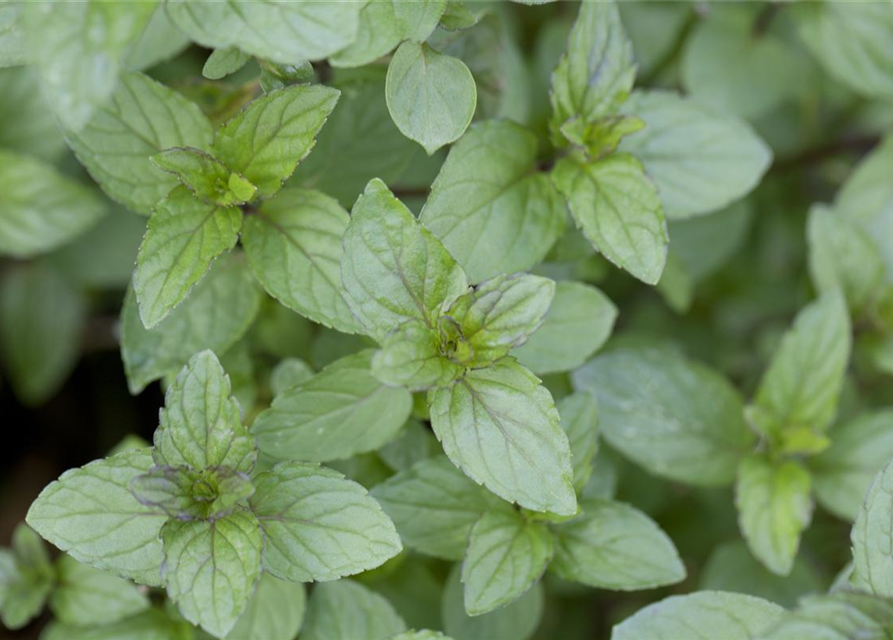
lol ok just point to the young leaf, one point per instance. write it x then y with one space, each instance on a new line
393 268
142 118
501 428
617 208
187 494
578 322
596 73
223 62
489 206
579 419
431 96
674 417
194 326
293 244
611 545
184 237
435 506
320 525
701 160
205 176
774 507
840 615
211 568
41 209
26 578
412 356
506 555
90 513
347 609
341 411
276 610
87 596
706 615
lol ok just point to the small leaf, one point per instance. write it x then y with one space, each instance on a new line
211 568
579 419
347 609
431 96
26 578
501 428
837 616
319 525
223 62
87 596
267 139
506 555
618 209
205 176
411 356
187 494
276 611
774 507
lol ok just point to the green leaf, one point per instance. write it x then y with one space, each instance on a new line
412 356
706 615
347 609
193 326
614 546
201 423
579 419
267 139
704 244
579 321
340 412
26 578
293 244
434 506
414 444
393 268
701 160
506 555
424 634
431 96
211 568
13 46
501 428
205 176
90 513
184 237
223 62
596 73
774 507
288 373
87 596
79 48
675 417
286 31
871 534
159 42
489 206
618 209
40 209
275 611
839 616
319 525
42 317
142 118
153 624
500 313
799 391
853 43
859 449
29 125
187 494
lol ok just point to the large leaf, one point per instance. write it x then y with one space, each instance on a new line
872 556
275 612
838 616
347 609
87 596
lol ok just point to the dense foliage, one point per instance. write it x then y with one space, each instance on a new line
557 322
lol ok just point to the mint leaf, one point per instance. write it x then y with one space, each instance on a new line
26 578
211 568
872 558
142 118
501 313
413 356
41 209
153 624
506 555
187 494
675 417
320 525
618 209
201 423
860 447
393 268
431 96
283 31
578 322
223 62
347 609
293 243
87 596
30 127
42 318
701 160
501 428
579 419
774 507
195 325
276 610
414 444
288 373
159 42
90 513
706 615
205 176
184 237
596 73
489 206
611 545
843 614
341 411
435 506
13 46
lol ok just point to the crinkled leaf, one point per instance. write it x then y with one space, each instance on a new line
411 356
187 494
87 596
347 609
205 176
